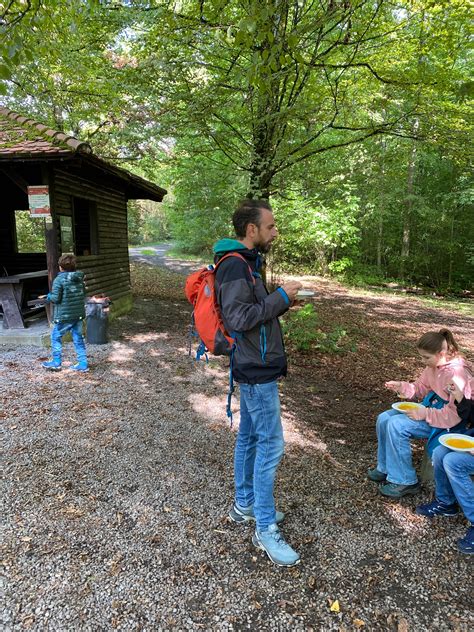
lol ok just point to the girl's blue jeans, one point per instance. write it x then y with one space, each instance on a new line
59 330
394 458
258 450
452 474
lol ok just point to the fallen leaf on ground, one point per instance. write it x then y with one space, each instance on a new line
335 607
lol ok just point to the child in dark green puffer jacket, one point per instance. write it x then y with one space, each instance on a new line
68 296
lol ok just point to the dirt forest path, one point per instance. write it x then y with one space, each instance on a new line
118 482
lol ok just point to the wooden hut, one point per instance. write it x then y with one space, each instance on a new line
83 200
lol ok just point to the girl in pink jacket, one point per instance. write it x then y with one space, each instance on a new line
437 414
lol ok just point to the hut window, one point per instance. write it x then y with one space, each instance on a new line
67 237
85 227
30 235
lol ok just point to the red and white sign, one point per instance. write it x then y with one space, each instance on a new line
38 200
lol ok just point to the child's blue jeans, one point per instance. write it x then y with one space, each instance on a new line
452 474
59 330
394 458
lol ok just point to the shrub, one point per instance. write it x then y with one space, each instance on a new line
303 334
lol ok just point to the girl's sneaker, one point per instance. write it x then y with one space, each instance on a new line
437 508
376 475
466 544
393 490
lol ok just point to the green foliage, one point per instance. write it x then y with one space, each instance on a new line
203 200
351 116
147 223
302 333
317 230
29 232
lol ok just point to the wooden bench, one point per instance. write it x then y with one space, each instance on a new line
11 297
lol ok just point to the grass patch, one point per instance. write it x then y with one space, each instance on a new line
147 251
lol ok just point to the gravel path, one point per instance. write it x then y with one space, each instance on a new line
117 484
161 259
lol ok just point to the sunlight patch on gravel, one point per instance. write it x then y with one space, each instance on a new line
121 352
295 437
148 337
406 519
123 372
209 408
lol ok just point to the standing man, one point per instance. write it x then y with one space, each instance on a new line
250 313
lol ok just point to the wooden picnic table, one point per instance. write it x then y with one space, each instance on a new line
11 297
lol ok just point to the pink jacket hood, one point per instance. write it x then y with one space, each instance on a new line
437 379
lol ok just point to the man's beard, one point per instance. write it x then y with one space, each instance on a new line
265 248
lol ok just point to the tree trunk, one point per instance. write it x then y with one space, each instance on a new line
379 245
405 251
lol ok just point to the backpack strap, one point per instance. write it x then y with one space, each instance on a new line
234 334
253 274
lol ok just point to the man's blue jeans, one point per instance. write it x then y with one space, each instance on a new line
59 330
394 458
258 450
452 474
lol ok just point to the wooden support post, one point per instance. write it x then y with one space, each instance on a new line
51 229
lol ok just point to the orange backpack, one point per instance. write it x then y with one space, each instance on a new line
207 320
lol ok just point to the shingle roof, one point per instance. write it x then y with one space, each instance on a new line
23 136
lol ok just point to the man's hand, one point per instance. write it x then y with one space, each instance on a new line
291 288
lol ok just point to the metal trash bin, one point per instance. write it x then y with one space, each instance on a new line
97 320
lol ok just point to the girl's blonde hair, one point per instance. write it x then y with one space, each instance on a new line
432 342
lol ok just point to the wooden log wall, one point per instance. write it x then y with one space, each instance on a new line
107 272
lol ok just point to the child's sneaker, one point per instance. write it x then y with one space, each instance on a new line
376 475
466 544
80 366
52 365
239 514
273 543
393 490
437 508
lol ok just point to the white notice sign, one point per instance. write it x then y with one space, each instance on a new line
38 200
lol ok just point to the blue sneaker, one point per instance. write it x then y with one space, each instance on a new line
52 365
273 543
466 544
437 508
80 366
239 514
